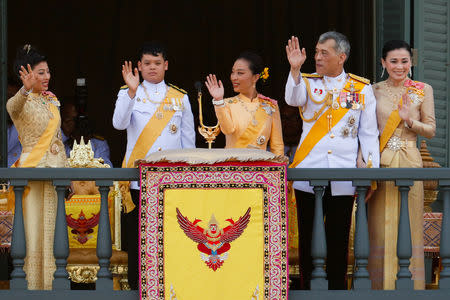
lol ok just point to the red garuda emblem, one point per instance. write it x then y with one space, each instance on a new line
82 226
213 242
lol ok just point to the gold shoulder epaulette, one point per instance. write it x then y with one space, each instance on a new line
359 78
177 88
311 75
98 137
124 87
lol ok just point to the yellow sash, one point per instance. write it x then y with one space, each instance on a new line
145 141
320 127
391 124
250 134
152 130
44 141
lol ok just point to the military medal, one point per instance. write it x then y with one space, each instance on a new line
335 105
173 128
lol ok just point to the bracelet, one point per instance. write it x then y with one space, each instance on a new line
24 92
218 102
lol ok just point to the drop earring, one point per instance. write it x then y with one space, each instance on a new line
410 72
382 72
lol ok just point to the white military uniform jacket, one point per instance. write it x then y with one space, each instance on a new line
134 114
339 147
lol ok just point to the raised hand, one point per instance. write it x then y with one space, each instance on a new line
215 87
131 79
27 76
295 56
403 109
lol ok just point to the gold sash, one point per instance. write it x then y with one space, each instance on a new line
152 130
320 127
43 144
145 141
391 124
250 134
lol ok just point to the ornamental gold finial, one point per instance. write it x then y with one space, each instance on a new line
208 132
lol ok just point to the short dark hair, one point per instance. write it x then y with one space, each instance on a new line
27 55
394 45
255 62
154 48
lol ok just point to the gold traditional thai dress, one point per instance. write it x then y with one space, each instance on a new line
252 123
399 151
38 123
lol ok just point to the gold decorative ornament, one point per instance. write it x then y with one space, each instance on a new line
173 128
209 133
395 143
429 186
82 156
345 131
54 149
83 273
351 121
261 140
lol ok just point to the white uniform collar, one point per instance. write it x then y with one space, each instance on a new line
155 88
338 79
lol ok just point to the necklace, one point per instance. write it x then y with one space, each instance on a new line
395 97
159 113
251 112
148 97
333 92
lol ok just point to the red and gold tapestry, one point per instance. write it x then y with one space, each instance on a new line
213 231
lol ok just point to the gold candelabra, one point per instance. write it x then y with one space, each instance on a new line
208 132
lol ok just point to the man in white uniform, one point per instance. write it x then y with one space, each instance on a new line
157 116
338 110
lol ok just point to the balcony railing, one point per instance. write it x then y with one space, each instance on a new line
361 178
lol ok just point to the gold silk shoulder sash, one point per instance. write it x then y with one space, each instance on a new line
43 144
152 130
321 126
391 124
250 134
145 141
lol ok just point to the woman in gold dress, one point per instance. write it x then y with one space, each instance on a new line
405 109
249 119
34 111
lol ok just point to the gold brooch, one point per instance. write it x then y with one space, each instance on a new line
54 149
345 131
261 140
173 128
351 121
